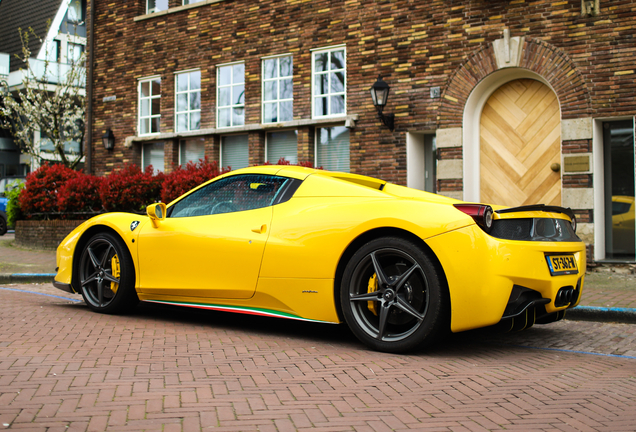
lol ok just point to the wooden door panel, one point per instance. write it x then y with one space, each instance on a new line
520 139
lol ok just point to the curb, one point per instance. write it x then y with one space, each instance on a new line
602 314
27 278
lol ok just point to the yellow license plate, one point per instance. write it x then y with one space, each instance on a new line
562 264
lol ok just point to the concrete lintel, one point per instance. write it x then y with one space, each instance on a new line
451 137
576 129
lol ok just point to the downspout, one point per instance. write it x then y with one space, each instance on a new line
88 166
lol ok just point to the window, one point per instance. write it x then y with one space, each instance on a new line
278 89
191 150
156 5
329 82
188 101
618 159
332 148
53 51
231 95
152 154
74 53
282 145
186 2
231 194
75 12
149 106
234 151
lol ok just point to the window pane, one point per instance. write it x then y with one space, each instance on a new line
337 60
270 69
195 100
145 89
286 111
182 82
155 106
224 96
234 151
320 62
74 13
320 106
182 122
191 150
156 87
321 84
337 82
155 125
144 125
271 90
238 74
195 80
238 94
153 155
332 148
224 117
195 120
270 114
182 102
238 117
157 5
286 89
225 75
145 107
282 145
286 66
337 104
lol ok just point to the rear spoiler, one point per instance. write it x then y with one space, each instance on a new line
540 207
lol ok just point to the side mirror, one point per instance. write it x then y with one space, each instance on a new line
156 213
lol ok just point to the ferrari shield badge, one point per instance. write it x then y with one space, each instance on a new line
133 225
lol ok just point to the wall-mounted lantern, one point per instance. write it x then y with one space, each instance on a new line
108 139
380 94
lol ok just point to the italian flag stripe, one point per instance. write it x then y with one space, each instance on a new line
236 309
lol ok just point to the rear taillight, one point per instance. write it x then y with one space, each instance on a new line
482 214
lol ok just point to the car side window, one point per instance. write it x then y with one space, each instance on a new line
231 194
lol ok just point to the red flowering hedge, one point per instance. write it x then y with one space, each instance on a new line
130 189
185 178
80 194
54 191
42 186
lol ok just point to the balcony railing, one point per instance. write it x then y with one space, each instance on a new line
51 73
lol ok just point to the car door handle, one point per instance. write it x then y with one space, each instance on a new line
260 230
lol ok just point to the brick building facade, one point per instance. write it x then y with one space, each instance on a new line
499 101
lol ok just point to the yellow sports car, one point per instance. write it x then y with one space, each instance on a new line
398 265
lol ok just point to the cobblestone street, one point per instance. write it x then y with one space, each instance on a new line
63 367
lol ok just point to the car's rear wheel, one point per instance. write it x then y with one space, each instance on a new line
392 296
3 225
106 275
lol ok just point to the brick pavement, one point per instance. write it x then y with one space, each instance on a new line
63 367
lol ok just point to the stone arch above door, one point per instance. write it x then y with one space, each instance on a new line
545 60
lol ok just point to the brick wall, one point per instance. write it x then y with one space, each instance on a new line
43 234
588 60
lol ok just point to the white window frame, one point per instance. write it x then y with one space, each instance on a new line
143 157
189 2
189 92
223 143
328 95
150 10
232 106
264 81
149 98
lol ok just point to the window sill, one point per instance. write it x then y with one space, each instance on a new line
348 121
175 10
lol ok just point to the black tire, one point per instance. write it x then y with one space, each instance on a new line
392 297
105 288
3 224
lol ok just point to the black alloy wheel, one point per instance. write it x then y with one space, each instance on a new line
392 296
106 275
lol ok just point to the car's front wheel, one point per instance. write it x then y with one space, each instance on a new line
392 296
106 275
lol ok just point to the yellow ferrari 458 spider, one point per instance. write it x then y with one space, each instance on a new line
398 265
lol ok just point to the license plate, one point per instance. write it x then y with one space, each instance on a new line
562 265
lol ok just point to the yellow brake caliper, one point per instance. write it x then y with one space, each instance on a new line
114 265
373 287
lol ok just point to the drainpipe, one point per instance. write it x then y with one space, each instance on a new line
88 133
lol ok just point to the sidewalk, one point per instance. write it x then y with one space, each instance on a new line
607 296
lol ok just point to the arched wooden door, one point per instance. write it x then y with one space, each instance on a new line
520 139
